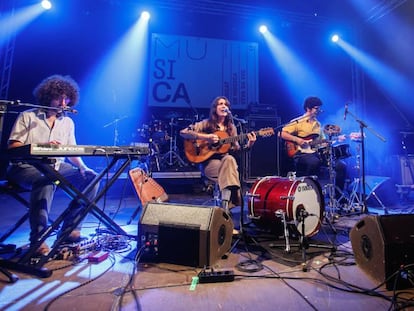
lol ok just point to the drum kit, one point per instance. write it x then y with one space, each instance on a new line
162 137
298 203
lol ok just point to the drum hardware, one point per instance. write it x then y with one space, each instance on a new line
283 197
331 188
301 215
291 175
282 214
251 197
172 157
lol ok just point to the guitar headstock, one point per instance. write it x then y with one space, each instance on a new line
266 132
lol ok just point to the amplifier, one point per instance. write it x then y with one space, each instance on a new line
263 159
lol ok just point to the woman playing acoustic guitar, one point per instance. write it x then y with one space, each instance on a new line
210 143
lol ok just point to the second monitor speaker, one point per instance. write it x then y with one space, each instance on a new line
183 234
383 246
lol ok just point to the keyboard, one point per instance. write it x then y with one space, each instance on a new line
52 150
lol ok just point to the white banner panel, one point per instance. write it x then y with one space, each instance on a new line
192 71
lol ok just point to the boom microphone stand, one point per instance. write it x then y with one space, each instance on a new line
362 126
115 122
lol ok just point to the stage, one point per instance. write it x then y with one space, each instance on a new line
258 273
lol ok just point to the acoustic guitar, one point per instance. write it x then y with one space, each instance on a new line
147 189
197 150
312 144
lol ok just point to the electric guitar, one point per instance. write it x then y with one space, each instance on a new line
197 150
313 142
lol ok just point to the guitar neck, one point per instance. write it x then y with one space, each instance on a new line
232 139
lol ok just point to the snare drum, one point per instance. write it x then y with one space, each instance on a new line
272 195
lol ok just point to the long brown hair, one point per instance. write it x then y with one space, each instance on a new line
213 117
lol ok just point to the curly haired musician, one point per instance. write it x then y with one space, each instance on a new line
48 125
306 134
219 166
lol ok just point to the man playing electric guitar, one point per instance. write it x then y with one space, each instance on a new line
220 167
302 135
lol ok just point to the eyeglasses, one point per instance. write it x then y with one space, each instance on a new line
63 98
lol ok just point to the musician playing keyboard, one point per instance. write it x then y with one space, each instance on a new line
49 125
220 166
306 135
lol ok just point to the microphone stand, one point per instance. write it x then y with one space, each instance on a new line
196 115
363 125
116 132
278 130
242 233
19 103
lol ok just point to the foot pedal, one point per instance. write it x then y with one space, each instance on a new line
216 276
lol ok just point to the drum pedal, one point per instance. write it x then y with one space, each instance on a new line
216 276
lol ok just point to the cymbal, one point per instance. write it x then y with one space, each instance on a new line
332 129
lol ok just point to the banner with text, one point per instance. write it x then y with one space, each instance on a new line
192 71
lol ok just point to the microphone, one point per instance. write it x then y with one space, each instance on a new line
227 110
346 111
242 121
69 110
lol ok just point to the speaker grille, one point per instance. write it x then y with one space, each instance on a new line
383 246
184 234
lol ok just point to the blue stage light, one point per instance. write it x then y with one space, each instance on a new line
263 28
335 38
145 15
46 4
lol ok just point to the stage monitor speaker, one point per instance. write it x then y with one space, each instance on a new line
383 246
183 234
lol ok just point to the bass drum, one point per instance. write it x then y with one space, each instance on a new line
273 195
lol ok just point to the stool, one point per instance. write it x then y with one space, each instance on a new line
15 192
212 188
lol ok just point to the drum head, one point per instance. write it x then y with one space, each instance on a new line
300 200
307 206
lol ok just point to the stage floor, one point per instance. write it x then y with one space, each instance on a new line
266 277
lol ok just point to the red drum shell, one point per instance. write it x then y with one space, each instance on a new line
272 194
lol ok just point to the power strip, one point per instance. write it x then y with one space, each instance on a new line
216 276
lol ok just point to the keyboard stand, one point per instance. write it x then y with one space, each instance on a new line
26 263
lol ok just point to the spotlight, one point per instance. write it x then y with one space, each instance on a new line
263 29
46 4
145 15
335 38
